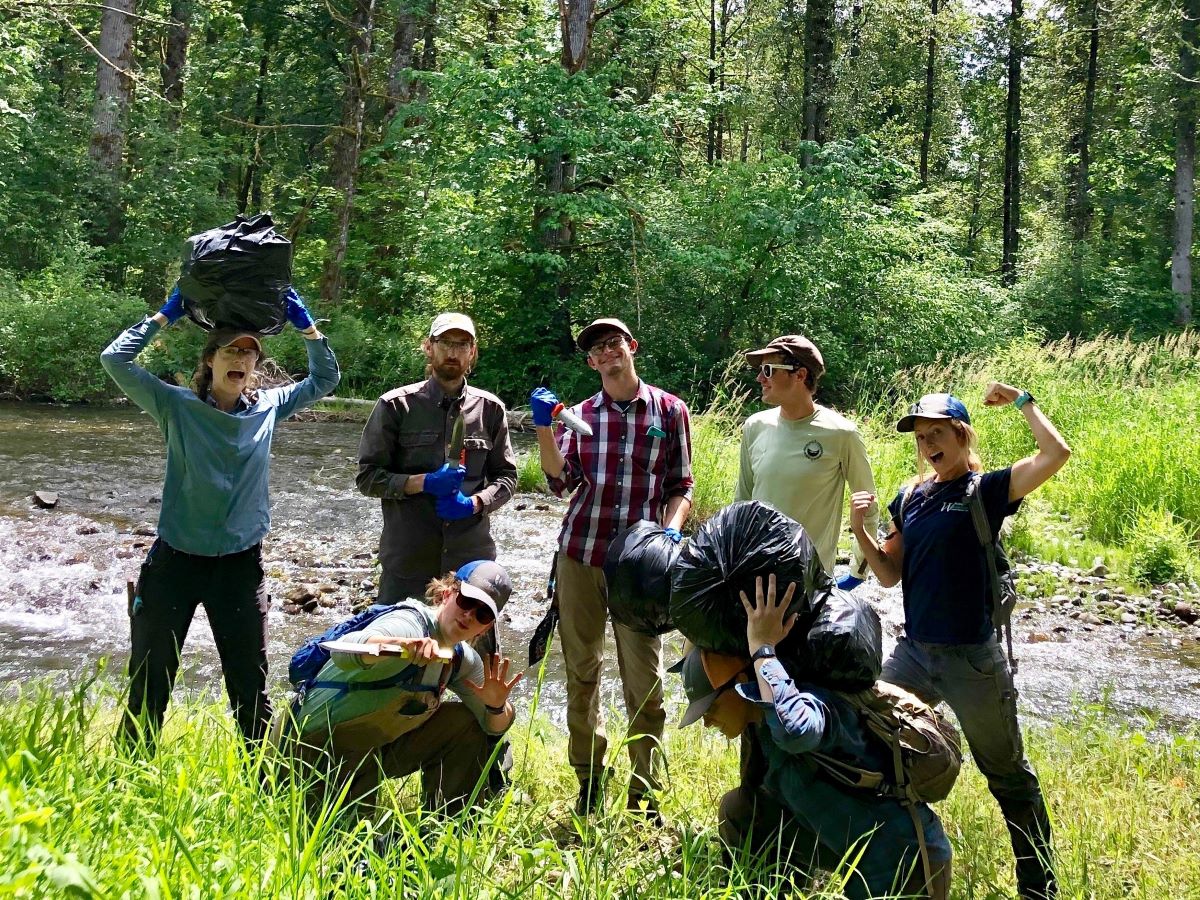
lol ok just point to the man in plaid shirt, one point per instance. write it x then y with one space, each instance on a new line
637 465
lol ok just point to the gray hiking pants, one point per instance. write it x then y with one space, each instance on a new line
976 682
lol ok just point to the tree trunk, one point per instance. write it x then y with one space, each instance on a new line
818 71
711 148
930 65
251 185
114 87
404 39
348 147
1079 206
1012 148
175 59
975 219
1185 162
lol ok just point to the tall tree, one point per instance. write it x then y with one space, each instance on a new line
1012 146
1185 161
818 70
1079 204
347 148
175 59
114 87
930 82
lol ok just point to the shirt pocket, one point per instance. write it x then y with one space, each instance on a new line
477 450
420 451
650 451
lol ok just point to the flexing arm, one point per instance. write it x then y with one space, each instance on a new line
1032 472
885 559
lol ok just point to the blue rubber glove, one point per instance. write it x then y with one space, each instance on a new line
455 506
848 582
445 481
673 534
173 308
297 312
542 401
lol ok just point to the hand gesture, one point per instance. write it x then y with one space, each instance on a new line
542 402
172 309
767 622
496 684
860 504
297 312
998 394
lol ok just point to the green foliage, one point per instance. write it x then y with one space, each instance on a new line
1163 548
53 325
84 820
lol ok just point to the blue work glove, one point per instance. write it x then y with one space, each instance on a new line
173 308
297 312
673 534
848 582
455 506
542 401
445 481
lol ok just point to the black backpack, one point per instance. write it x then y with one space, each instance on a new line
1001 584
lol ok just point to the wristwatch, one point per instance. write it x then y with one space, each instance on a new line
1023 398
766 651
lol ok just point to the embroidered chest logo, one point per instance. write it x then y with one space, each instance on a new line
813 450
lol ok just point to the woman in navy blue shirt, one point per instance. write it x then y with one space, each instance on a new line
950 650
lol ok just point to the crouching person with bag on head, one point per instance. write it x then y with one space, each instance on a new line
378 713
785 805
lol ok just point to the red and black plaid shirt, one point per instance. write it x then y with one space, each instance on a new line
626 471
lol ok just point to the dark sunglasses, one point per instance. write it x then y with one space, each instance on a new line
483 612
766 370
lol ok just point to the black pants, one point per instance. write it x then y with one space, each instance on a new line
233 591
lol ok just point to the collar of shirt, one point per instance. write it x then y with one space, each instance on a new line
433 389
605 399
242 404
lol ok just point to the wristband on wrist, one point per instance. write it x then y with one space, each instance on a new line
497 710
1023 398
766 651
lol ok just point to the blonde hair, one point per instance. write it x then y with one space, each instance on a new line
966 436
438 589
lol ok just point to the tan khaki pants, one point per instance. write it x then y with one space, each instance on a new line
583 611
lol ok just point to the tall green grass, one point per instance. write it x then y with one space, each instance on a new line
77 819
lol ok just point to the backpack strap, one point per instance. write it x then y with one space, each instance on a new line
1001 610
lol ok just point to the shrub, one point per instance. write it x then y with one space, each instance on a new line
1161 547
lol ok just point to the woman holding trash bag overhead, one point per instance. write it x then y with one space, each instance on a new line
950 649
214 512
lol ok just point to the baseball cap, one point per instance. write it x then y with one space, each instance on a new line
796 346
588 336
698 684
226 336
450 321
485 581
935 406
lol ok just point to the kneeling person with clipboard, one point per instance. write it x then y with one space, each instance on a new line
375 709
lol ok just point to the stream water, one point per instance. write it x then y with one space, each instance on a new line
63 571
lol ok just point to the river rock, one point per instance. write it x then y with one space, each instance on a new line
45 499
1089 618
292 609
1186 612
145 531
327 601
326 588
1102 595
87 529
1128 618
1099 570
301 594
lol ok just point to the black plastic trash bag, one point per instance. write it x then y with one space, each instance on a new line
637 568
843 648
235 276
738 544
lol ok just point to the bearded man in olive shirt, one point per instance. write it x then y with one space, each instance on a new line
799 456
435 512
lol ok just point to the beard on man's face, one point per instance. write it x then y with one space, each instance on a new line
449 369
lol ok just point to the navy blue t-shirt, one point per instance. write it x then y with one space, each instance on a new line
945 576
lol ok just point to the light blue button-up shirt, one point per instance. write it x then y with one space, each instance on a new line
215 498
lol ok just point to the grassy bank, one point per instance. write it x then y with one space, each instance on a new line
1131 492
80 820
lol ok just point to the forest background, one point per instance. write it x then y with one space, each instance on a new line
900 180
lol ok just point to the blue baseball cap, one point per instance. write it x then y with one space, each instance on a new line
935 406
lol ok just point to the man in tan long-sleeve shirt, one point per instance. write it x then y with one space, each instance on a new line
799 456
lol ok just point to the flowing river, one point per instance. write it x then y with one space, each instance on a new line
63 571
